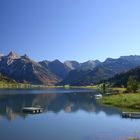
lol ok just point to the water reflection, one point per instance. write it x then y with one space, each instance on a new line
12 104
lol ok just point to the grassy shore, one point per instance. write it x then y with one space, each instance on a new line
127 101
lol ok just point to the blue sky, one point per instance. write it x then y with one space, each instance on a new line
70 29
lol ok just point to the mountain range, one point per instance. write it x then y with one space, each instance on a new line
107 69
25 70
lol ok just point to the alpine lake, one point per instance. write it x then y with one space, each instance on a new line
68 114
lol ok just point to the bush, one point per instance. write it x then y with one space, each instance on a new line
132 84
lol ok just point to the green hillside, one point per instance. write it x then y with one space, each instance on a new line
6 82
122 79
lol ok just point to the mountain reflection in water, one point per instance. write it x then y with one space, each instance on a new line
11 104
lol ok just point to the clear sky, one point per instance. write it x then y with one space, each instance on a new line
70 29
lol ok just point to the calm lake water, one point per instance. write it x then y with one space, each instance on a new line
68 115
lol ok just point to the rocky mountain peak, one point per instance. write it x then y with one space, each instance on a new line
108 60
13 55
89 65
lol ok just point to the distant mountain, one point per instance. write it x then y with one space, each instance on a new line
89 65
23 69
124 63
109 68
62 69
56 67
87 77
72 64
122 78
133 59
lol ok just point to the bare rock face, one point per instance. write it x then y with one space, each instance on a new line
72 64
13 55
56 67
90 65
23 69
